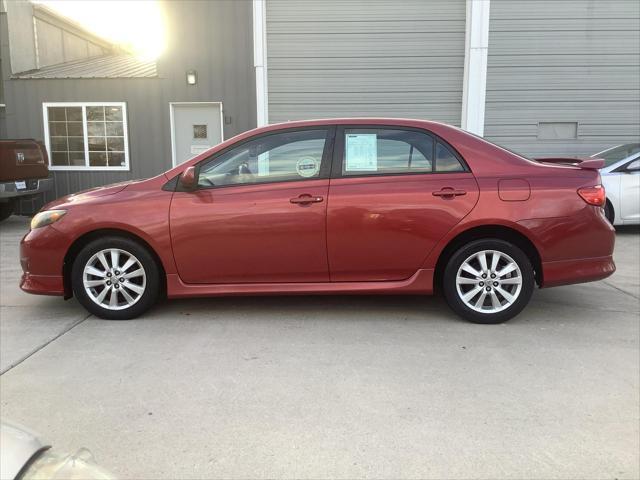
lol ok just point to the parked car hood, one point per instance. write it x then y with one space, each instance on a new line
89 194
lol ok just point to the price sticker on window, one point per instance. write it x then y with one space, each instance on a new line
361 152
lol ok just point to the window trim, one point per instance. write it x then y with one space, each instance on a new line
86 166
339 145
325 165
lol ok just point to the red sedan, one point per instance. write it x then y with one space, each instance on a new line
361 206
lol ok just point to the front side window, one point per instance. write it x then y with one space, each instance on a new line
278 157
86 136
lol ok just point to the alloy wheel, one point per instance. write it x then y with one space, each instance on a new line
114 279
489 281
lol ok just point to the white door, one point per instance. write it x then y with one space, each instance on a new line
196 127
630 192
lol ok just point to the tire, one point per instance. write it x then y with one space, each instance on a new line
6 210
608 212
488 305
135 291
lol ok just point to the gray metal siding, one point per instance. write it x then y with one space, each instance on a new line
341 58
563 61
213 38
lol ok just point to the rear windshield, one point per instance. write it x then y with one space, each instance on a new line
518 154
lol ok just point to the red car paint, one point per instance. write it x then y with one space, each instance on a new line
375 234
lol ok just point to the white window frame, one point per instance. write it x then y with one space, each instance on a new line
84 105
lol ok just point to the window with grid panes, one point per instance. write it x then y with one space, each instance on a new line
87 136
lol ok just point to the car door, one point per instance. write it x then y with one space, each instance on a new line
630 192
394 193
258 213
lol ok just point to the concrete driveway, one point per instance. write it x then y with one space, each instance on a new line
333 387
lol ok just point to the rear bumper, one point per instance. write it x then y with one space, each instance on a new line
34 187
582 270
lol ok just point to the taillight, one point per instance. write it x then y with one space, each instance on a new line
593 195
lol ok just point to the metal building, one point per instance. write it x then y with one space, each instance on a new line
157 118
537 76
541 77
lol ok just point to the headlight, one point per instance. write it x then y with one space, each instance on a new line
46 218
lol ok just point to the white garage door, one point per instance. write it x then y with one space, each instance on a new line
338 58
564 76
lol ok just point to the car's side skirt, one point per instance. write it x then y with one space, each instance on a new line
419 283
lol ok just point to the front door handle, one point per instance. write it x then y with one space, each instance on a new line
306 199
449 192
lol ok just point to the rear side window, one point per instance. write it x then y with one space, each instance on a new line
386 151
371 151
446 161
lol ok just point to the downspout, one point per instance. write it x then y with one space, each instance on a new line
260 61
474 87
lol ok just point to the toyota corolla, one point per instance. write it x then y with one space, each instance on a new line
348 206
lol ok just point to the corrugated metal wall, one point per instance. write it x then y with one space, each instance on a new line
563 61
337 58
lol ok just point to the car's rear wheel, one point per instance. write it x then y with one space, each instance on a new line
115 278
488 281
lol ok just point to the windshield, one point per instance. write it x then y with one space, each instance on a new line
618 153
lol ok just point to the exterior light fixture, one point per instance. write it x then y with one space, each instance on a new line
192 77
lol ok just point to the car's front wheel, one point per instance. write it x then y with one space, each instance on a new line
488 281
115 278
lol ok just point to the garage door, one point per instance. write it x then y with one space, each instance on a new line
563 76
336 58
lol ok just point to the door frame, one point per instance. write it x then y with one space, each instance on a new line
172 124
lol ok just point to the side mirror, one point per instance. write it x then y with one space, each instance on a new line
188 179
633 166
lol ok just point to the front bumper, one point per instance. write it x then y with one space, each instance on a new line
42 284
42 253
34 187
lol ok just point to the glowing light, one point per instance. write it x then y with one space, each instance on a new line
135 25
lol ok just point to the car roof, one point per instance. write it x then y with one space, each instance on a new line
407 122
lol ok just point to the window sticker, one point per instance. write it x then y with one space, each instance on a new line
307 167
263 164
361 152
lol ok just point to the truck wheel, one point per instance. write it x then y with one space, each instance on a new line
6 210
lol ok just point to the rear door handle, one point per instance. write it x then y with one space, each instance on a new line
306 199
449 192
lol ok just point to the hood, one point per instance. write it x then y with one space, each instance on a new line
89 194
